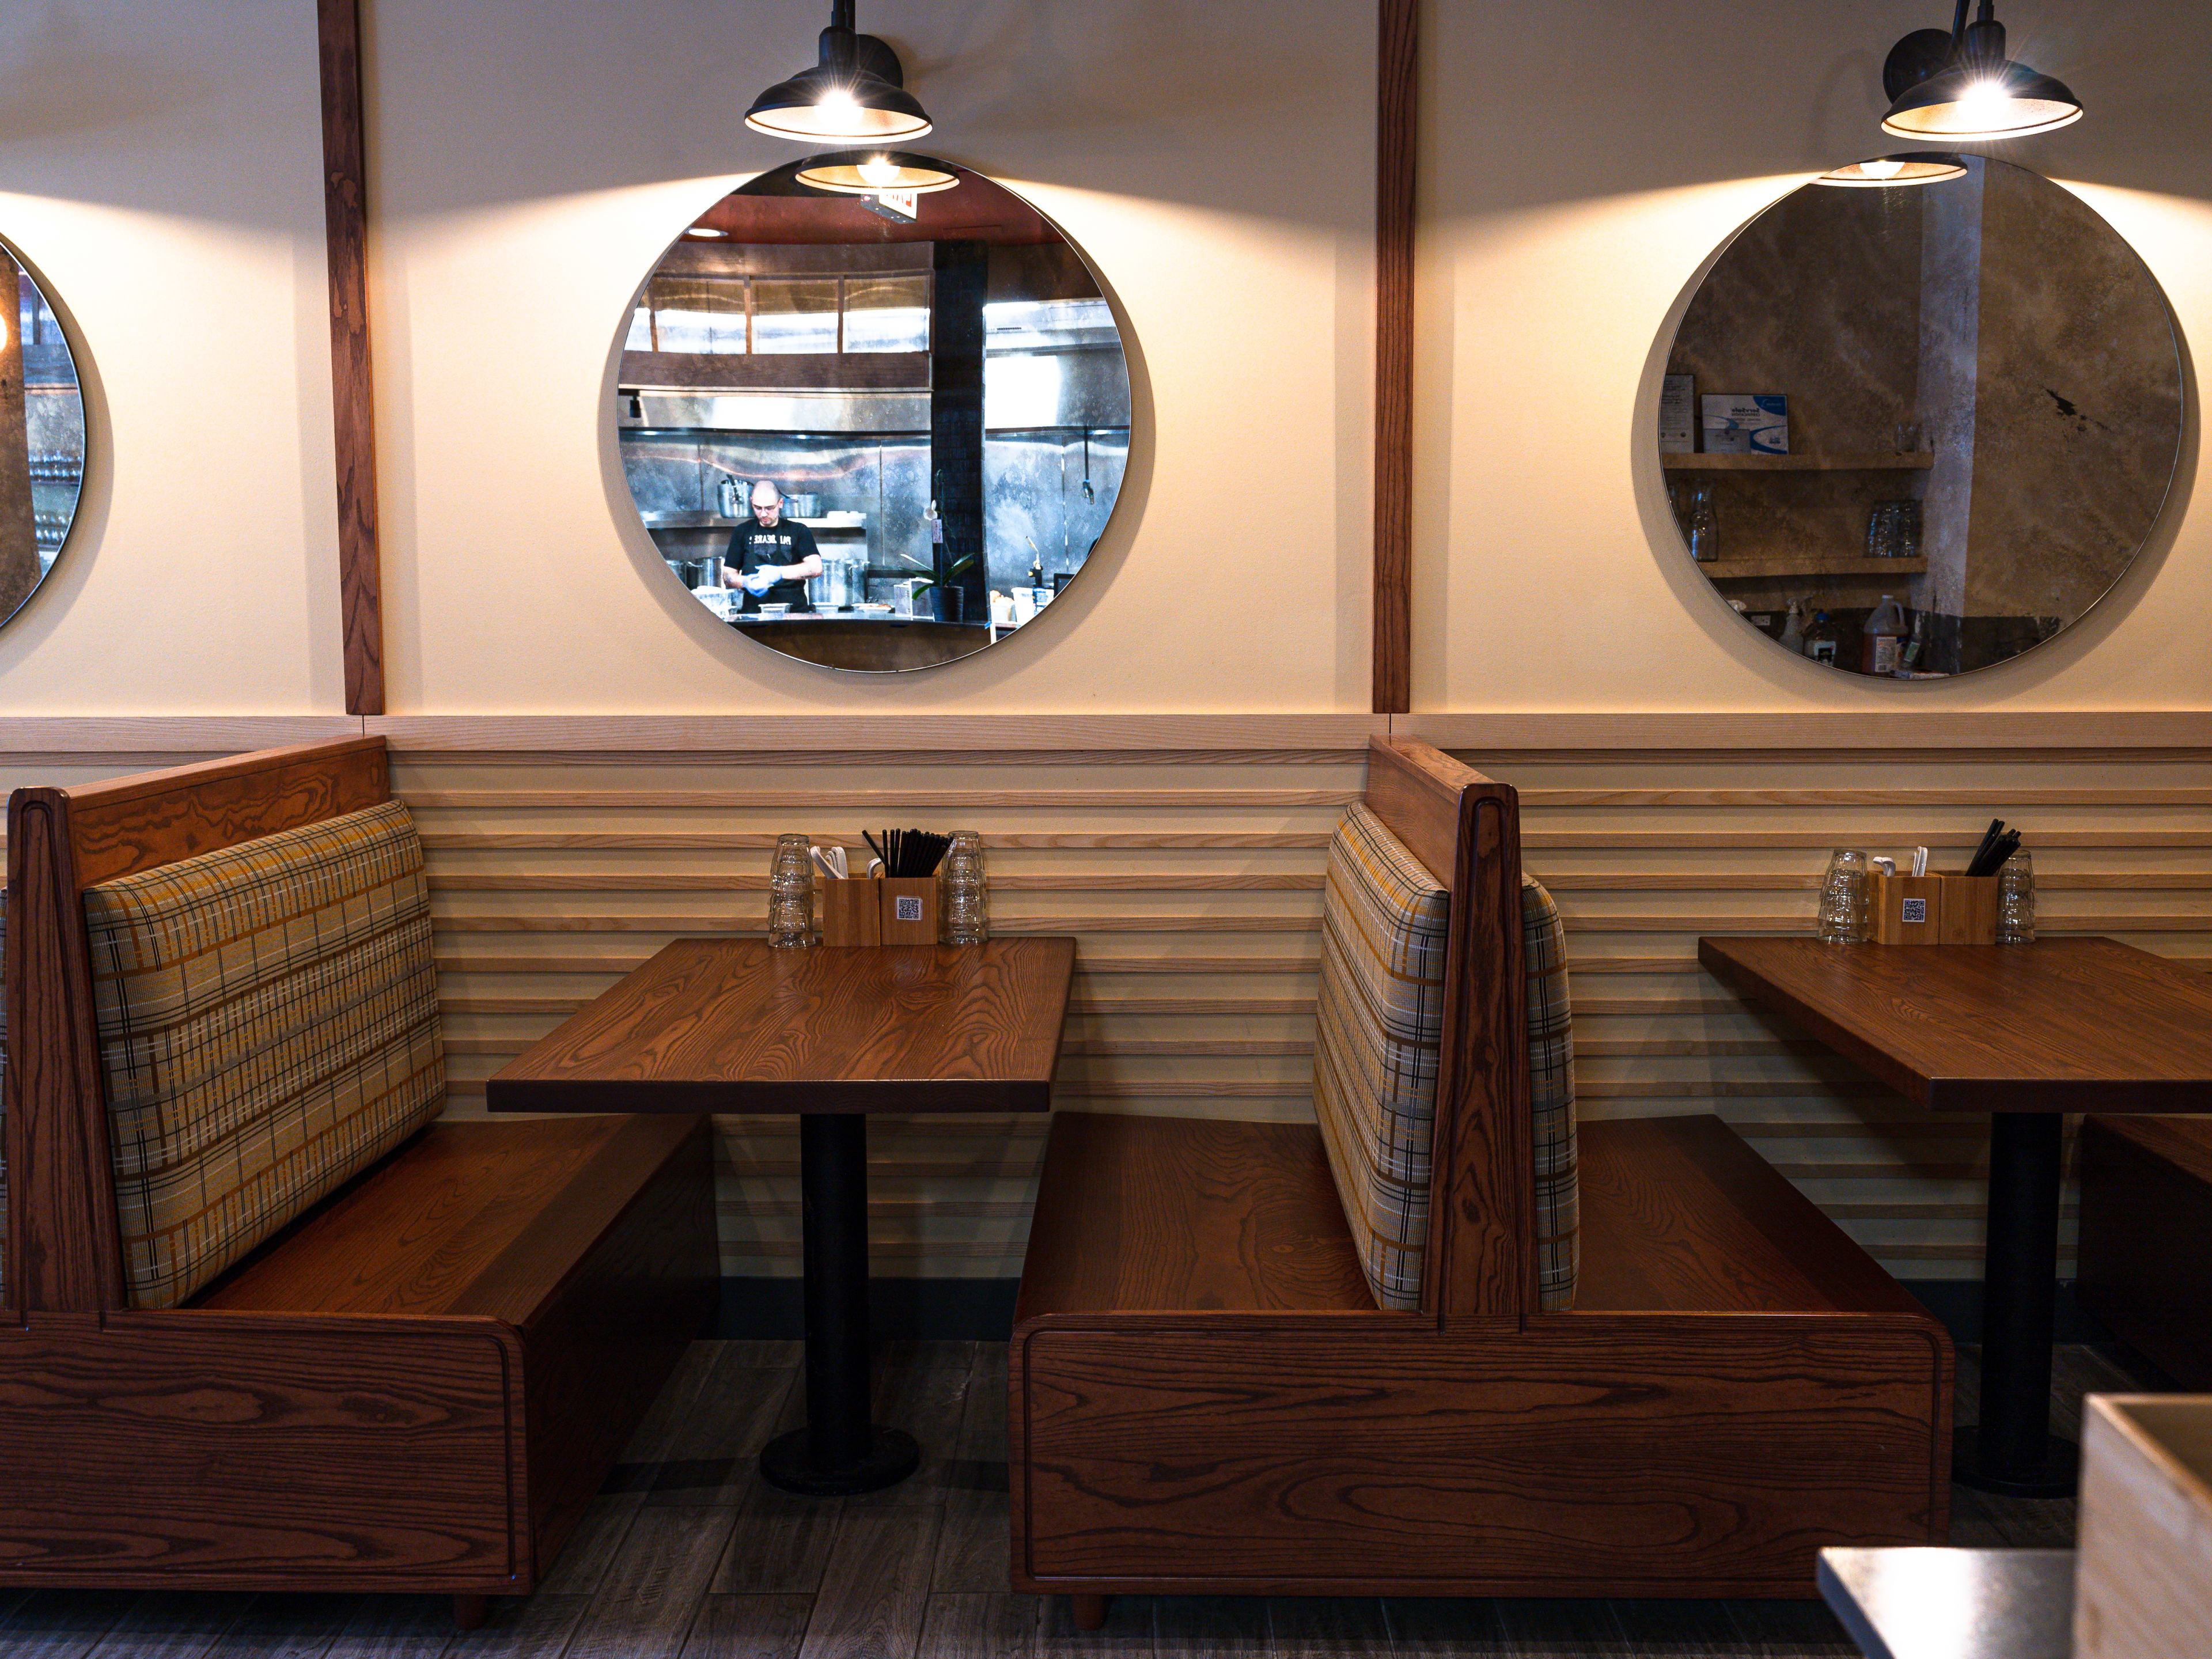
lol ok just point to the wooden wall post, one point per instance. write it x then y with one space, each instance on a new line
1393 358
345 222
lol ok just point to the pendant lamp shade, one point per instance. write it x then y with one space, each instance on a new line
855 93
868 172
1883 172
1963 85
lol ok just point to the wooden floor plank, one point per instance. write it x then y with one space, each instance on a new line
875 1591
652 1589
967 1624
1792 1630
749 1627
710 1456
1440 1624
971 1625
582 1564
179 1625
1973 1523
1531 1628
63 1624
1686 1629
922 1388
1327 1627
396 1627
289 1626
780 1544
1209 1627
972 1549
538 1627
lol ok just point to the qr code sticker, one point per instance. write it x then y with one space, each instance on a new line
910 909
1915 909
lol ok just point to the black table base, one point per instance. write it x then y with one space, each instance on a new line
840 1451
790 1463
2054 1476
2013 1451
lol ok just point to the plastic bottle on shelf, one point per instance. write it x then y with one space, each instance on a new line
1916 647
1704 525
1820 640
1793 627
1882 642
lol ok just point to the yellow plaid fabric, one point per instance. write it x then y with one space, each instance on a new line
1551 1098
1375 1048
268 1021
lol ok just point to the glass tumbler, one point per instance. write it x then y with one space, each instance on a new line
964 907
1844 918
791 894
2016 901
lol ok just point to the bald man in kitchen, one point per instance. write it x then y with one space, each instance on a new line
772 556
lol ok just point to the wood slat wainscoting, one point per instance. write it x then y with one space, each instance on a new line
1191 879
1186 855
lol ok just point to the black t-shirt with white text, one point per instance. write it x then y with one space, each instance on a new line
753 545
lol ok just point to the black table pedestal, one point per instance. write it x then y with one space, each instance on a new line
840 1451
2014 1452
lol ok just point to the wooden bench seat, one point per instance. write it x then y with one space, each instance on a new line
2145 1248
1201 1214
1205 1398
417 1382
468 1217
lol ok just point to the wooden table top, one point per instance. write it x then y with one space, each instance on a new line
2061 1025
730 1025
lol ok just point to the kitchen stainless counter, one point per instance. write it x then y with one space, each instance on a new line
842 640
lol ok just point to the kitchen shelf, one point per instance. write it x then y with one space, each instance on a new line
1790 565
1837 463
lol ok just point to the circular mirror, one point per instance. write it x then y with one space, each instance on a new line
41 439
1918 425
872 428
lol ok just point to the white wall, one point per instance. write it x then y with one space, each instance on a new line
160 171
530 157
1579 167
534 158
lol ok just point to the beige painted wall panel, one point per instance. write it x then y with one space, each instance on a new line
1229 212
1560 239
163 179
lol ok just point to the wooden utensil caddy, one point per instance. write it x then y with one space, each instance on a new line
879 909
1933 909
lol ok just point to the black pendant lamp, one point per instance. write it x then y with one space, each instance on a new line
1961 85
872 172
857 92
1919 166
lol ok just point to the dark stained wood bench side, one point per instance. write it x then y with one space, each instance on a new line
1204 1399
2146 1239
442 1359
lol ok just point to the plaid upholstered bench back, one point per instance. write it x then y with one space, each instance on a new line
1377 1050
268 1026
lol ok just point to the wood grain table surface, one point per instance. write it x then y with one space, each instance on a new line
730 1025
2060 1025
